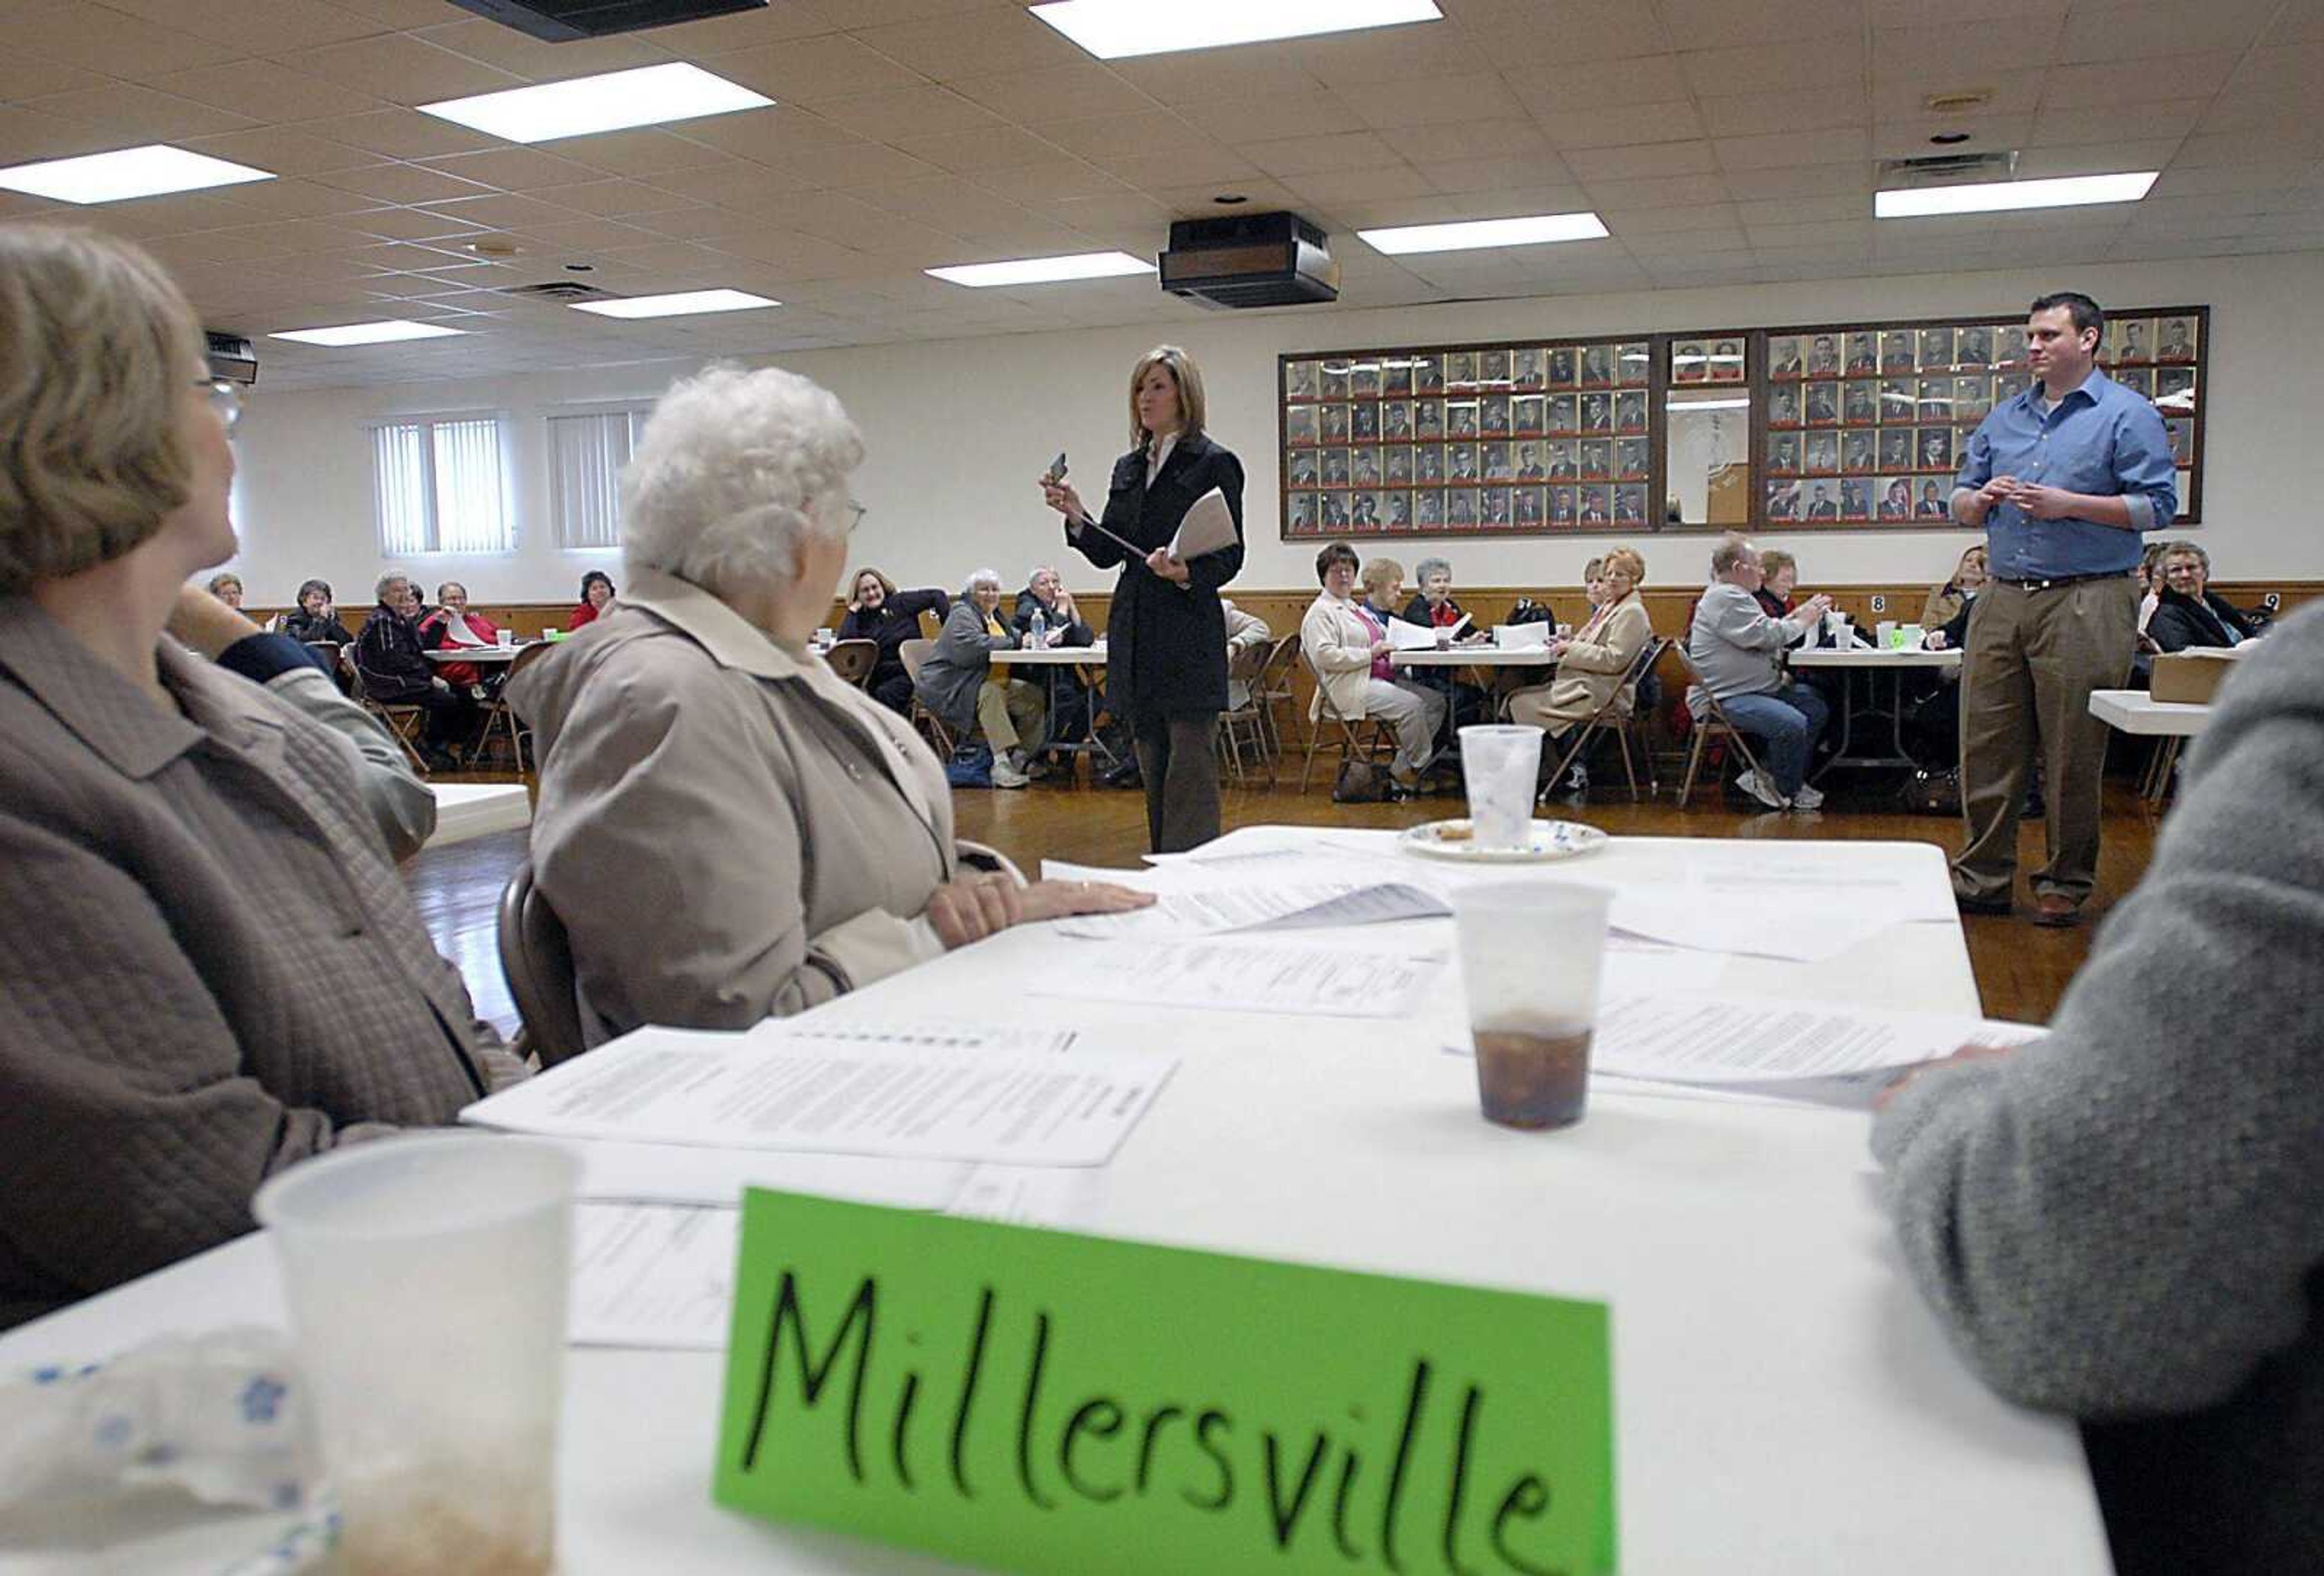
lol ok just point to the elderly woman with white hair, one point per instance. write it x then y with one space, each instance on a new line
209 966
790 838
959 683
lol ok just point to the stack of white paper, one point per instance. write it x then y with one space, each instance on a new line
1410 637
1208 526
1724 1039
1521 637
1243 976
858 1094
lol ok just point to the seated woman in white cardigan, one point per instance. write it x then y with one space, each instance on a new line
1593 663
1349 647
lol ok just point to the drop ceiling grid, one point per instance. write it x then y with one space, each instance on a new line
1724 140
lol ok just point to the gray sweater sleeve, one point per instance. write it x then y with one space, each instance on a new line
2116 1219
403 806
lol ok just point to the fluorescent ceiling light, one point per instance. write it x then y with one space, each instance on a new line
1045 270
1112 30
612 102
384 332
1537 229
148 171
2002 196
683 304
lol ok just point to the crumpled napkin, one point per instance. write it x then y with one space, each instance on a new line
223 1416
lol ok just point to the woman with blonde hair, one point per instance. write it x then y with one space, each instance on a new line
1593 662
210 968
1165 634
1958 592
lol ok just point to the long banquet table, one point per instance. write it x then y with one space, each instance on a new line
1783 1402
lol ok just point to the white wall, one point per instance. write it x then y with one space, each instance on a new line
959 430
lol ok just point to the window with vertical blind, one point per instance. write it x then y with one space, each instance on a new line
586 452
439 484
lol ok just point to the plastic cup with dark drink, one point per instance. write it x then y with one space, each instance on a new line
1531 954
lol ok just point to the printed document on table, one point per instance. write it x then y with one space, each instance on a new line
688 1174
860 1094
1410 637
652 1276
1215 910
1208 526
1741 1040
1238 975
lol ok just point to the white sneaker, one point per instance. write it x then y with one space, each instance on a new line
1005 776
1807 798
1759 789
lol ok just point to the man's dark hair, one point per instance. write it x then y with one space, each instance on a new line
2086 313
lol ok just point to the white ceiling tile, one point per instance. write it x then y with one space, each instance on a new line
1330 188
766 134
2100 87
258 27
1480 95
977 43
1904 95
2218 178
812 70
1750 186
1195 161
2121 122
2157 32
1662 192
995 147
614 199
400 69
1201 75
2279 70
1459 175
1702 24
1641 162
1057 93
293 199
2210 148
778 22
737 184
537 59
1271 118
1386 57
1622 126
1505 139
112 44
1628 223
402 183
514 168
25 75
1569 32
1775 69
132 115
1786 153
2260 113
284 150
26 136
1987 134
894 114
1617 84
404 134
1753 114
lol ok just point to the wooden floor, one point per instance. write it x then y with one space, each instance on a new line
2022 969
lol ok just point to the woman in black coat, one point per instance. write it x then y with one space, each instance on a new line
1165 634
879 613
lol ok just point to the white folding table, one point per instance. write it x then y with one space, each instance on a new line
1784 1400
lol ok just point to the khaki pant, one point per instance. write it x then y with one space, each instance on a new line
1010 712
2027 669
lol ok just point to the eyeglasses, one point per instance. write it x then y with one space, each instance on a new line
856 514
226 399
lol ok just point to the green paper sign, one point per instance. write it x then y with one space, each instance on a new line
1043 1402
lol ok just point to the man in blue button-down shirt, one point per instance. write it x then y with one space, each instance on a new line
2064 477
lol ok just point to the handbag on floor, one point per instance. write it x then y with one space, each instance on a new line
1361 782
971 765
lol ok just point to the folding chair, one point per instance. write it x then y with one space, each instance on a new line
1274 689
538 960
1620 713
1349 741
528 763
914 653
1715 722
1246 722
853 660
403 723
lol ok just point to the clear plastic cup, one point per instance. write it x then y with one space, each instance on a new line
1531 953
1499 765
427 1280
505 636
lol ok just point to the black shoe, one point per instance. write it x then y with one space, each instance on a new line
1969 904
1125 776
439 759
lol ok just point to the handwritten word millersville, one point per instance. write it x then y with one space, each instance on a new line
910 1417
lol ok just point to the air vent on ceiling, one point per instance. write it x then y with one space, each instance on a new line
564 21
1947 169
563 292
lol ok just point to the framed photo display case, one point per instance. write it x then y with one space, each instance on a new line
1825 427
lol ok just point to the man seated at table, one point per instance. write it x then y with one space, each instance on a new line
1737 649
1061 626
1346 644
391 659
2188 613
2124 1222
